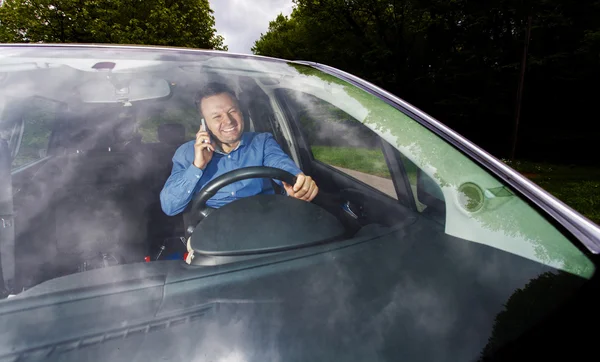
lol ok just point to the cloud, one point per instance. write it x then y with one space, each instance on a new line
241 22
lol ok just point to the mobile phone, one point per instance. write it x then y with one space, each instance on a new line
203 128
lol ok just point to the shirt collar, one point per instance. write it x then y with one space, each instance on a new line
242 142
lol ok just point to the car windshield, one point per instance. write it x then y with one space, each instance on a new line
119 170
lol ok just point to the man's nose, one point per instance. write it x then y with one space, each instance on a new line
230 119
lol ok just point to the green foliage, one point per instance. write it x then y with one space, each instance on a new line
528 306
171 112
363 160
510 217
460 61
160 22
577 186
39 120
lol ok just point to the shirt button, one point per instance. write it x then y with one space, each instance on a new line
229 156
189 192
197 176
233 193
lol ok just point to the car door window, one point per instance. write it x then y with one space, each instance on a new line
38 120
337 139
446 185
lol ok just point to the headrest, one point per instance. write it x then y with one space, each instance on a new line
171 133
244 101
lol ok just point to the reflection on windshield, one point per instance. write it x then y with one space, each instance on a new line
90 230
511 225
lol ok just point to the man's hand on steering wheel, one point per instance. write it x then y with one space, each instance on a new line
305 188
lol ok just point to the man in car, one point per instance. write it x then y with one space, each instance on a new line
224 147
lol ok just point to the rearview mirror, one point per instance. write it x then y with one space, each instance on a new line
132 90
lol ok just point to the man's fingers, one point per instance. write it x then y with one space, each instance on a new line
288 188
306 190
313 194
202 133
300 179
306 195
206 146
201 147
303 191
200 136
202 140
312 191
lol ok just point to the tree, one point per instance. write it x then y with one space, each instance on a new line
161 22
459 60
542 298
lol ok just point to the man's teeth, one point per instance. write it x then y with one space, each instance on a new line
228 129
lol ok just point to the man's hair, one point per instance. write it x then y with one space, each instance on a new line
213 89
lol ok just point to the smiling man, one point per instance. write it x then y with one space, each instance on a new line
224 147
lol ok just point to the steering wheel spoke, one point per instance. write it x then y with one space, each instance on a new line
206 211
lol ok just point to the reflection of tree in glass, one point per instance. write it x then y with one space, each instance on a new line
324 124
513 218
528 306
174 111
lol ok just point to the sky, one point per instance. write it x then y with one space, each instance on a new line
241 22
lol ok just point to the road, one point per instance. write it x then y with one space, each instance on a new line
382 184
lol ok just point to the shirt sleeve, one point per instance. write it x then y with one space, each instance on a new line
275 157
179 188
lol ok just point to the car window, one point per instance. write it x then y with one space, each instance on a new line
475 205
38 118
428 195
337 139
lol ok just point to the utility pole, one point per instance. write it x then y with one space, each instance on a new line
513 150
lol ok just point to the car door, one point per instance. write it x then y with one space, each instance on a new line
358 173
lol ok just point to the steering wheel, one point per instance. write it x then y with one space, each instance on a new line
199 210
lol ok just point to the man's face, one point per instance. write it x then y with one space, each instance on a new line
223 117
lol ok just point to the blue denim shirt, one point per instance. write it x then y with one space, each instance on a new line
255 149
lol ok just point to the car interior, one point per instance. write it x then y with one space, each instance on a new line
99 182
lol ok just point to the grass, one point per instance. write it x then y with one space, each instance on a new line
577 186
357 159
